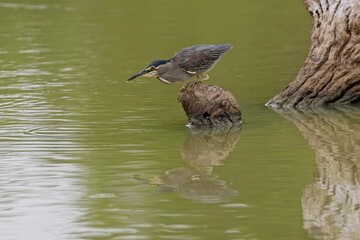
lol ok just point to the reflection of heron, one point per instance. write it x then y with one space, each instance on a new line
193 184
202 150
188 62
331 202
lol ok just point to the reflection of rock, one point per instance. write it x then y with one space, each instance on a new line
202 149
209 147
331 203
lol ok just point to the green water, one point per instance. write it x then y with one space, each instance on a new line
84 155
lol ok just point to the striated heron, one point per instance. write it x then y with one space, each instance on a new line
191 61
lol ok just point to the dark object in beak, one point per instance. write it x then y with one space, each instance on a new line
137 75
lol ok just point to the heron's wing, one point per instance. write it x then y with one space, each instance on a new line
198 59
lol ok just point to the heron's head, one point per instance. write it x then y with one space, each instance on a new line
150 70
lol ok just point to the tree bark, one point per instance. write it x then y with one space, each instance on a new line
331 73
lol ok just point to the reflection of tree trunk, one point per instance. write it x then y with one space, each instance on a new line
331 203
331 73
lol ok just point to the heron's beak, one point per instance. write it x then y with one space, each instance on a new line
137 75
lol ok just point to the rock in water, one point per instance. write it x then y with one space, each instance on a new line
207 105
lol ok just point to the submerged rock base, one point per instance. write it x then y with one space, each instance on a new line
207 105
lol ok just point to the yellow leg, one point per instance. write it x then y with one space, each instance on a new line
203 77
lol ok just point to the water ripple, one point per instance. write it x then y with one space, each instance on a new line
22 72
40 7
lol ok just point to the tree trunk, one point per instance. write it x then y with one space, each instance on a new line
331 73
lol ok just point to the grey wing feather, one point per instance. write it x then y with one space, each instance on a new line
198 59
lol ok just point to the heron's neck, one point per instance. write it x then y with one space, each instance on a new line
164 61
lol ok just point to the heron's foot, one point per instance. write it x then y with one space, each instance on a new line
202 77
189 85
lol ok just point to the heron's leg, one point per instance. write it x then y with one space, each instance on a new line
203 77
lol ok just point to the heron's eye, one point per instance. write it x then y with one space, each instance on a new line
149 69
